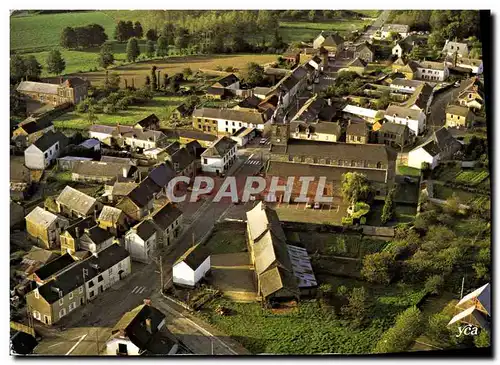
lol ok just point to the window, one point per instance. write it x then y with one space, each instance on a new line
227 123
208 129
122 348
46 154
70 295
379 165
37 295
99 278
72 306
61 301
205 161
80 290
91 294
91 284
62 312
57 147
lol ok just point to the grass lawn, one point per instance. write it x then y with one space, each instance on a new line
42 32
297 213
229 239
162 106
306 31
408 171
445 192
310 329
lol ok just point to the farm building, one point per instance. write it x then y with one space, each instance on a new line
45 227
192 266
243 135
71 90
440 146
74 203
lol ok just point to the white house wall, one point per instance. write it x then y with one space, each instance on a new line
202 270
183 274
112 347
418 156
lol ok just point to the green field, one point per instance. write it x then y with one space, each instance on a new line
162 106
306 31
471 177
408 171
227 240
310 329
41 32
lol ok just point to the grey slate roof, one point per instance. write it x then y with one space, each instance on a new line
399 28
110 214
121 160
406 83
194 256
166 215
76 200
460 110
228 80
32 125
357 129
181 159
162 174
145 229
358 62
192 134
49 139
402 112
41 217
420 96
54 266
38 87
69 280
99 168
230 115
393 128
220 148
96 235
321 127
148 122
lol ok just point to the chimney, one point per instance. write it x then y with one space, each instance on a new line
77 232
148 325
124 171
329 102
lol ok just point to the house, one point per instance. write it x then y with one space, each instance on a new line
440 146
396 135
138 138
113 220
81 283
357 65
319 131
421 99
475 308
120 160
459 116
292 56
228 82
274 275
151 122
368 115
227 121
91 144
205 139
292 85
218 93
141 331
95 239
262 92
292 157
155 153
250 104
401 29
432 71
161 175
474 65
45 227
120 190
35 259
195 149
168 222
470 94
139 202
332 42
316 63
192 266
357 132
101 172
72 90
44 150
414 119
316 109
68 163
52 268
243 135
74 203
70 238
365 52
408 69
405 86
30 129
183 162
103 133
140 241
220 156
403 47
455 48
181 111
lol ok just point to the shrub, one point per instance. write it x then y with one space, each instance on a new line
402 335
378 267
347 221
434 284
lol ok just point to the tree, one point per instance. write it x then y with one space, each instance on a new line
150 49
389 209
187 72
162 47
277 41
433 284
55 62
138 32
254 74
154 82
378 267
402 335
112 82
356 187
121 32
436 39
147 80
152 35
129 29
356 308
133 50
17 67
181 39
68 38
483 339
165 80
33 69
311 15
168 32
91 110
394 36
106 57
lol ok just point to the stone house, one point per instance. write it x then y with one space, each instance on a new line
396 135
74 203
44 150
365 52
72 90
30 129
151 122
357 132
220 156
141 241
45 227
113 220
459 116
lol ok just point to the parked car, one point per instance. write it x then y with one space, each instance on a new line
263 141
456 84
317 205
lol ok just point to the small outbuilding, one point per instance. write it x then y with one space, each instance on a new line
192 266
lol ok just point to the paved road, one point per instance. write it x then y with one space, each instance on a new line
376 25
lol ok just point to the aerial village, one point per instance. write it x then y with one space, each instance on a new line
105 262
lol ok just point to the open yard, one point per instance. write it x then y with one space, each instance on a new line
311 329
227 238
162 106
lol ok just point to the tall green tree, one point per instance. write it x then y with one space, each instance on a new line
129 29
254 74
168 32
150 49
162 47
402 335
138 32
133 50
106 57
152 35
17 67
154 81
68 38
33 68
55 62
356 187
356 308
181 39
121 31
389 208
